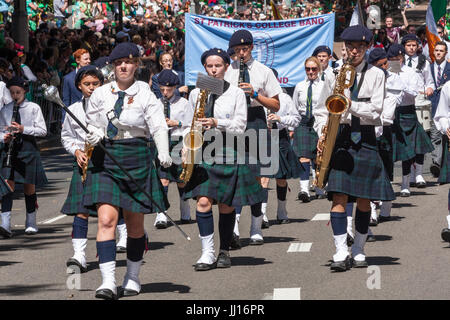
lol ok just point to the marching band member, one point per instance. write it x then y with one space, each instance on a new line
306 96
289 168
442 122
262 92
323 54
228 185
425 86
26 166
123 120
356 169
410 139
178 113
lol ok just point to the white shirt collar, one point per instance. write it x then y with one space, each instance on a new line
131 91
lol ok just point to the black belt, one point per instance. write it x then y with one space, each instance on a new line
406 109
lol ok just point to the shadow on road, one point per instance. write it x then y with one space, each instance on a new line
22 241
383 237
382 260
164 287
248 261
18 290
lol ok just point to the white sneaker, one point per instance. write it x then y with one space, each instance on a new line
108 288
30 223
207 260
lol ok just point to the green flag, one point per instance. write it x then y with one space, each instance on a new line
439 8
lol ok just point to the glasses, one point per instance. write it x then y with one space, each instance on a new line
360 47
166 60
314 69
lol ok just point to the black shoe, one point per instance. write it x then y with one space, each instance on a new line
359 264
205 266
303 196
350 240
445 234
75 266
412 184
235 242
421 185
265 225
5 233
185 221
223 260
373 222
128 293
341 266
120 249
256 242
435 170
383 219
105 294
161 225
283 221
371 238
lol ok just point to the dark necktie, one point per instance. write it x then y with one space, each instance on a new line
166 104
112 130
209 109
246 74
309 101
410 62
323 76
16 114
439 75
355 126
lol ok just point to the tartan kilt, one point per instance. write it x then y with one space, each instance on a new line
409 136
444 176
174 171
74 202
26 164
106 183
289 165
256 121
305 142
357 170
385 148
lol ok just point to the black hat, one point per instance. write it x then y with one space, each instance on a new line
230 51
101 62
410 37
357 33
216 52
93 70
377 54
124 50
395 49
320 49
18 82
168 78
241 37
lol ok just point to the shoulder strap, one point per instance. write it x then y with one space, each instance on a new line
421 63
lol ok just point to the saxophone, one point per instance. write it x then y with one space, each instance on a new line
336 104
88 149
193 141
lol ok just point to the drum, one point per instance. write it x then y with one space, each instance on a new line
423 111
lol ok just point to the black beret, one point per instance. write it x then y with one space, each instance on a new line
18 82
230 51
410 37
168 78
377 54
241 37
357 33
395 49
320 49
124 50
216 52
88 69
101 62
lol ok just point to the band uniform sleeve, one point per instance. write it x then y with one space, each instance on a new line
154 113
292 118
6 95
93 116
429 83
442 114
68 136
38 127
301 108
238 122
272 87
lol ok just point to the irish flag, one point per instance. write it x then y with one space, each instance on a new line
436 9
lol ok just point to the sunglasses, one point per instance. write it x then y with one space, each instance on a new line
311 69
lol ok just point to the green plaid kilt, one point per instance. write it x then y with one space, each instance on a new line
385 148
289 165
444 176
173 172
26 164
357 170
106 183
74 202
256 120
409 136
305 142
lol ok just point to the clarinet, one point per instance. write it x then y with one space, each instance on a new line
241 71
166 107
12 143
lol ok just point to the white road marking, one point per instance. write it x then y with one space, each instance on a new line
321 217
300 247
53 219
286 294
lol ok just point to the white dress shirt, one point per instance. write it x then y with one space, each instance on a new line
72 136
411 81
300 94
369 112
180 110
425 78
394 94
289 116
442 117
5 95
31 118
141 115
262 79
230 109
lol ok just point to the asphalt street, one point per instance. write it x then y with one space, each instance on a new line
408 260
